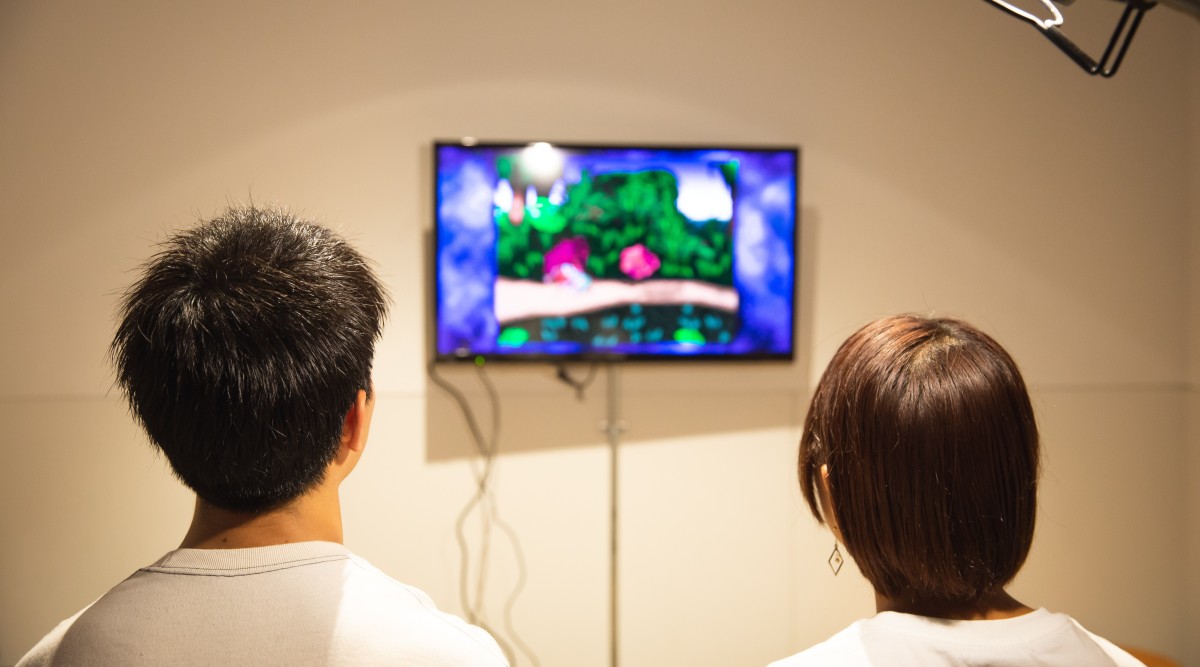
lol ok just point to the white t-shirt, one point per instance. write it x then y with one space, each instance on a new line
1036 639
310 603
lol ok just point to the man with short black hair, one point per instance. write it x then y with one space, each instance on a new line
245 351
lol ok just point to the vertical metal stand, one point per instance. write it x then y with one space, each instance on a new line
613 427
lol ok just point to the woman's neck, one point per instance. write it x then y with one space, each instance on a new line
994 607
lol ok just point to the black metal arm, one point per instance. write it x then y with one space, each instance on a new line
1122 36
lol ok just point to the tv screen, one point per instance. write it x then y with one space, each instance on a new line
558 252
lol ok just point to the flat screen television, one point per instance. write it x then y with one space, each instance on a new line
558 252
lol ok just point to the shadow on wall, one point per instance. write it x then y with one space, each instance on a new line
655 401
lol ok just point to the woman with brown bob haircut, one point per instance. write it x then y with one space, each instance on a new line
920 452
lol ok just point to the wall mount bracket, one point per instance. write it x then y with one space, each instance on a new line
1118 44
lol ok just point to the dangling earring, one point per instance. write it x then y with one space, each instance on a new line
835 559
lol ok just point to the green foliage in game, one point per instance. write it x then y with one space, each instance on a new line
614 211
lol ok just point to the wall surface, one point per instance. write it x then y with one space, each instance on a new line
953 162
1193 384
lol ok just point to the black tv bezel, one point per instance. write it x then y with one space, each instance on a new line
608 357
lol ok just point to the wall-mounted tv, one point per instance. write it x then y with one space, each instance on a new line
569 251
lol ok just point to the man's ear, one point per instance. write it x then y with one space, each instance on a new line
357 423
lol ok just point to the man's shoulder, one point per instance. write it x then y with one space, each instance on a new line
266 606
42 653
376 604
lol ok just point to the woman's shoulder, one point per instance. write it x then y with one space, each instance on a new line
844 648
903 639
1119 655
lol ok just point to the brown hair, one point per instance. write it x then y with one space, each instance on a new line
932 453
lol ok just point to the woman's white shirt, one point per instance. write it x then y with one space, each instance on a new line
1037 639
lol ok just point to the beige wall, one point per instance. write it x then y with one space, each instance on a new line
1193 383
953 162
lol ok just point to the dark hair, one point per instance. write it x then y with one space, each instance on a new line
241 349
932 453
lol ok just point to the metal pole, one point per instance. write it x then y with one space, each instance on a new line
613 428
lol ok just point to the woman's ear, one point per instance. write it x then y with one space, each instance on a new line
827 509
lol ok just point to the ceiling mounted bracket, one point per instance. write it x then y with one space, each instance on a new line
1122 36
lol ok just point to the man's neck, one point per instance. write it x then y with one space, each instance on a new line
315 516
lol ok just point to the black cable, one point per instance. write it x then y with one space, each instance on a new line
522 579
462 404
518 552
487 501
483 499
494 401
578 385
481 485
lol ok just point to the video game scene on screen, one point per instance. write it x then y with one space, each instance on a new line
666 251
